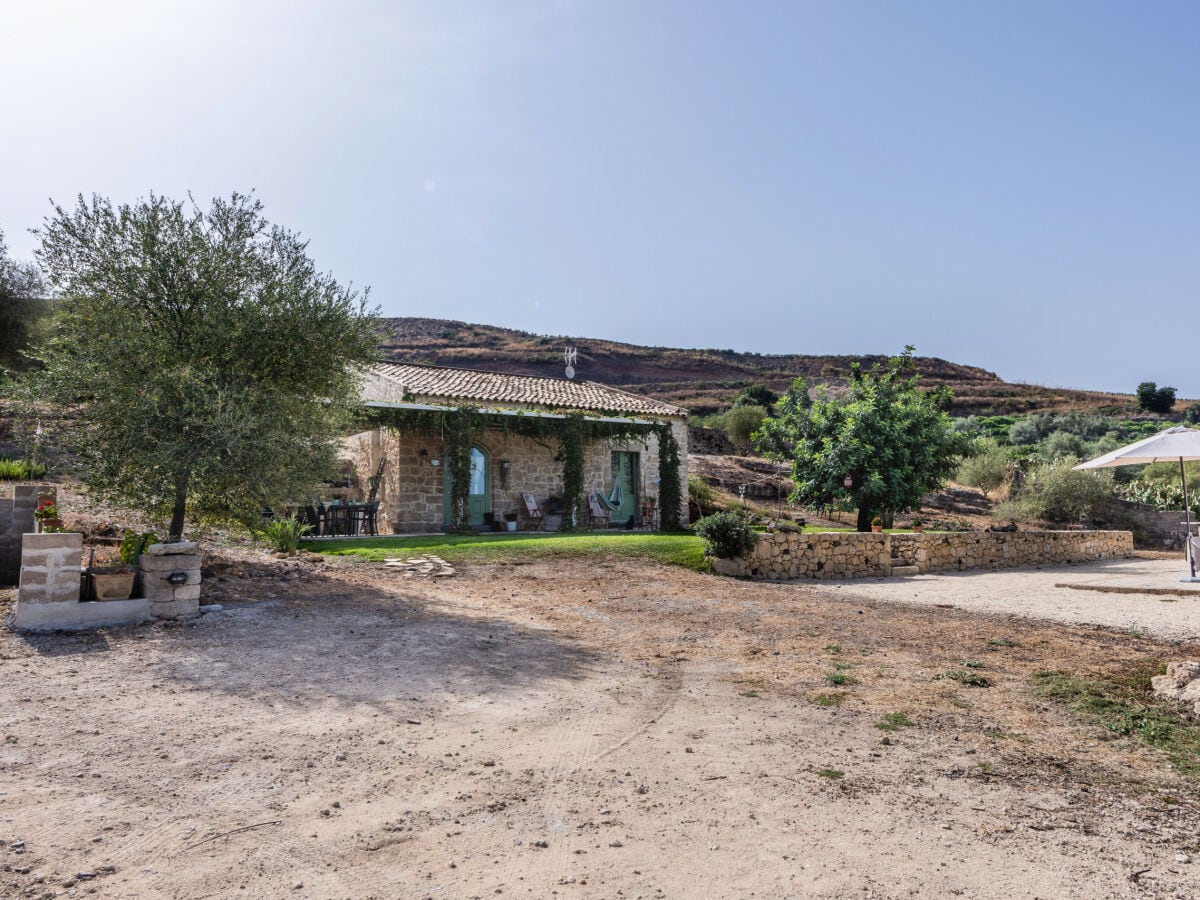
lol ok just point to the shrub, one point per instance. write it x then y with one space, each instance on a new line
700 493
1010 511
284 534
1192 414
987 469
743 421
726 535
1056 492
20 470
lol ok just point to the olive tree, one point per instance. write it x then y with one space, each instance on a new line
206 364
883 445
23 306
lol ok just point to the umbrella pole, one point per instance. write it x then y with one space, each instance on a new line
1187 515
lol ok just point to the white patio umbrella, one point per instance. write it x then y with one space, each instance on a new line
1180 444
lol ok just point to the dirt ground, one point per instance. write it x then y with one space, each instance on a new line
611 729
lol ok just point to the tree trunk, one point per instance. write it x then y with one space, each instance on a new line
175 531
864 519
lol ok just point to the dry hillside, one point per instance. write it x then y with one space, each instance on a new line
705 381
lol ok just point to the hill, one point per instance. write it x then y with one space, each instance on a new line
705 381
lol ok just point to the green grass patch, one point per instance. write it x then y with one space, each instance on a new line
830 773
839 679
754 695
829 699
1003 642
894 722
1123 702
834 648
970 679
685 550
972 664
20 470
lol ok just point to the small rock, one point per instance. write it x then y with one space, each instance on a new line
297 885
488 763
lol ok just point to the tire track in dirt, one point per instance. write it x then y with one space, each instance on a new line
568 750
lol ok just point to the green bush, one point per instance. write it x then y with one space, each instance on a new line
20 470
284 534
1055 491
726 535
743 421
987 469
1011 511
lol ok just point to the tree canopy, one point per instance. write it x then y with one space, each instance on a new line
206 363
1153 398
22 308
892 441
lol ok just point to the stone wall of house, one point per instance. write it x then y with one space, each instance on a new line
784 556
17 503
412 490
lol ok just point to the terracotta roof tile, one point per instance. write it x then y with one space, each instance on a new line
434 383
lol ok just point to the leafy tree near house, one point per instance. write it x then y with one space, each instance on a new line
892 441
1153 398
205 360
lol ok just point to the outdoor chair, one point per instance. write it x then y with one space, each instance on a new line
533 512
370 518
599 515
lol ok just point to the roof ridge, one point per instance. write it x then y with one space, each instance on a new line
490 372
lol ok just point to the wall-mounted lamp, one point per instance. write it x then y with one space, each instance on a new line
177 578
848 483
435 462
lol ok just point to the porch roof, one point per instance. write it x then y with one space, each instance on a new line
395 381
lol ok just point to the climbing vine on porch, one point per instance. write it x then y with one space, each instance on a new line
462 427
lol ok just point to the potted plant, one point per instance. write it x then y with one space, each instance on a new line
510 521
917 525
46 515
116 582
877 524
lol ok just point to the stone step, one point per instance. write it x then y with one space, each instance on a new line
905 570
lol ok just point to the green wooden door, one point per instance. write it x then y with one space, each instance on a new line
479 498
624 471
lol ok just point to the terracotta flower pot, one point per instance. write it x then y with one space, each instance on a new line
877 528
44 525
112 585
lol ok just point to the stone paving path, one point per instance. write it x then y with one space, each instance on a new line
421 566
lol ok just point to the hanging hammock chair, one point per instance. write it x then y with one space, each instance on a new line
614 499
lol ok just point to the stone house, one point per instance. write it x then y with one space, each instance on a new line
516 445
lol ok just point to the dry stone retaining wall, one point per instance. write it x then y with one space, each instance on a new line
784 556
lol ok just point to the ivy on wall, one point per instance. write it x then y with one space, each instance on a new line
462 427
670 494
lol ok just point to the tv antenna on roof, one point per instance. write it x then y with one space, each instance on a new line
570 356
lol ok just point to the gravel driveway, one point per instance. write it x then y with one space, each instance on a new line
1041 593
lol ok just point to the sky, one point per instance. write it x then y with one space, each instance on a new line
1010 185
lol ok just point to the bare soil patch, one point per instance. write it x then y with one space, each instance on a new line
590 730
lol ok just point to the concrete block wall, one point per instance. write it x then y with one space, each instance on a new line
785 556
17 503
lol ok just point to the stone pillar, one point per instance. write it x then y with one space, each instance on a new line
158 563
50 577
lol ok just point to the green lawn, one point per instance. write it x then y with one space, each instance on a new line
676 549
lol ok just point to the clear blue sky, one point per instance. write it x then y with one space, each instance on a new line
1012 185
